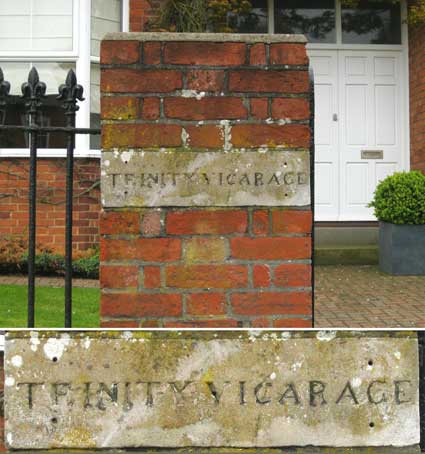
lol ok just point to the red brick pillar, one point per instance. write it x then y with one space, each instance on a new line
241 254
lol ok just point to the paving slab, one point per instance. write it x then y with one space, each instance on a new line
364 297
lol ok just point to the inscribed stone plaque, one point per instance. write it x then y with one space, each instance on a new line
228 389
169 178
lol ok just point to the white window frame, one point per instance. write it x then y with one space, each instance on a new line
338 44
80 55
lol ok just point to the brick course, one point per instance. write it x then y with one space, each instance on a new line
195 266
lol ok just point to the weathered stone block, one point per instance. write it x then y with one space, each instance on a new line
167 178
211 389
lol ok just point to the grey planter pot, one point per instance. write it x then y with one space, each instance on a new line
402 249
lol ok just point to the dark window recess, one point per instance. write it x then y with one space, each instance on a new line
255 22
50 114
372 23
94 123
313 18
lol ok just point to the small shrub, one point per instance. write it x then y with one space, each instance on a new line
14 259
400 198
87 266
12 249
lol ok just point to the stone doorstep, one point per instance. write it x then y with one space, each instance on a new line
378 450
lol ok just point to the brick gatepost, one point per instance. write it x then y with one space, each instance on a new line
204 264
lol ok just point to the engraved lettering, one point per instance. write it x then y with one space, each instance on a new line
370 396
317 388
31 391
174 178
264 399
231 179
244 180
214 391
191 177
205 178
149 393
302 178
87 403
258 178
289 178
274 178
127 404
151 178
399 392
242 400
178 390
290 393
112 393
60 390
351 394
114 175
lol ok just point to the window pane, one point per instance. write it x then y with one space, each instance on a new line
36 25
313 18
255 22
372 23
95 104
105 18
51 114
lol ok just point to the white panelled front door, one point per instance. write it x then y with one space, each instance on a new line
359 128
325 67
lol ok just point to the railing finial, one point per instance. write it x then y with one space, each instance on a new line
4 88
70 92
4 93
33 91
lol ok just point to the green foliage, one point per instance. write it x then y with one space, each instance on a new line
14 259
415 10
400 198
197 16
185 16
87 267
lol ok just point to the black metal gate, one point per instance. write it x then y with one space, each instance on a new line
33 94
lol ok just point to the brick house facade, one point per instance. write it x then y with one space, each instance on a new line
14 167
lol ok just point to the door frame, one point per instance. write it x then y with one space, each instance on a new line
403 48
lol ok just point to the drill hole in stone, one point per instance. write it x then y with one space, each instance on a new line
371 425
55 359
370 362
54 420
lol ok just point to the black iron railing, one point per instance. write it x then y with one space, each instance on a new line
33 95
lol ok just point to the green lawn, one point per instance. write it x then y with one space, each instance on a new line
49 307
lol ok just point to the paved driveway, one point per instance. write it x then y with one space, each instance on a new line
362 297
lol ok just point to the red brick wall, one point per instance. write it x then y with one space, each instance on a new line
142 11
417 97
51 201
217 267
